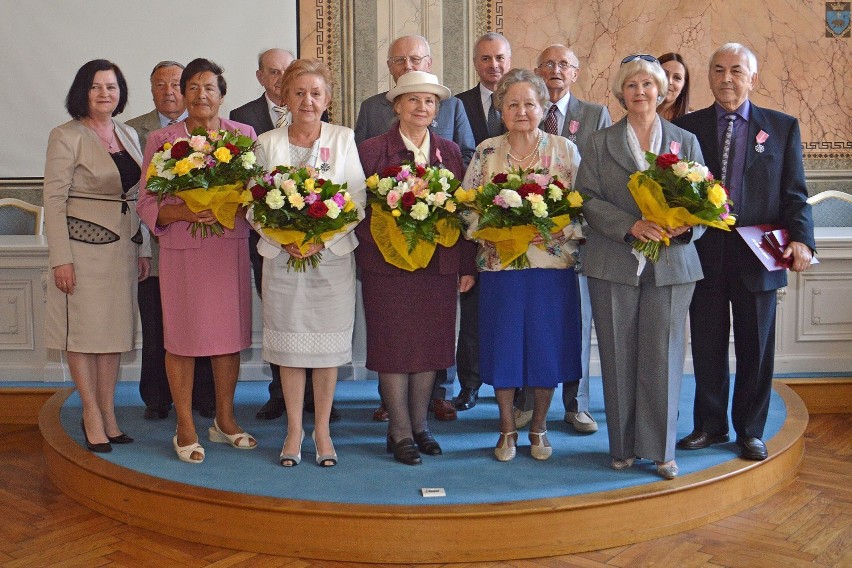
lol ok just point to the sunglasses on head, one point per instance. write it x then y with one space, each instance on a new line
642 56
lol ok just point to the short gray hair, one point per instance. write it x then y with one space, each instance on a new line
420 38
737 49
265 51
514 76
634 67
163 64
492 36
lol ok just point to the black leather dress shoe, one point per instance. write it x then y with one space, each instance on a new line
427 443
752 449
404 451
466 399
160 412
699 440
120 439
273 409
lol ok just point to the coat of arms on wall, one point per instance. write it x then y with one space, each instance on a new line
837 19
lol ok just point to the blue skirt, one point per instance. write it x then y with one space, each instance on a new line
529 328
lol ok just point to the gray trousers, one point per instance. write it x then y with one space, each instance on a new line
640 332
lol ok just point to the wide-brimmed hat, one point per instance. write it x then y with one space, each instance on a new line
418 82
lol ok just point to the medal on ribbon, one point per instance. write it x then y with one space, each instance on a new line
761 138
573 127
674 147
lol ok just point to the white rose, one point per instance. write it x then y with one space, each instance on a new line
385 185
288 186
419 211
555 194
539 208
274 199
333 209
248 159
440 198
445 173
511 197
680 169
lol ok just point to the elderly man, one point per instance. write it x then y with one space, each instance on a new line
492 57
576 120
153 382
268 111
757 153
412 53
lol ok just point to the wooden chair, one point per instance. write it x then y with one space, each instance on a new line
832 209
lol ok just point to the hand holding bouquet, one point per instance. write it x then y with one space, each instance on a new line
208 170
673 193
412 213
520 208
295 206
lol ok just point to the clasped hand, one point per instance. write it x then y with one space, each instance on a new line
645 231
293 250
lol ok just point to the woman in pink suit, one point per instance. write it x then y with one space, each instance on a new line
204 283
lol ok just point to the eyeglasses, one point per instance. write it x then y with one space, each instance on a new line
562 65
413 59
642 56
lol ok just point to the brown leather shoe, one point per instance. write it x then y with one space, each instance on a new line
381 414
443 410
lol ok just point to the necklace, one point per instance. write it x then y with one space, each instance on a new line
108 142
528 156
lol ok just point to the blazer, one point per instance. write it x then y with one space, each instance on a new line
273 149
177 235
592 117
773 191
611 210
389 150
81 180
255 113
376 116
472 101
145 124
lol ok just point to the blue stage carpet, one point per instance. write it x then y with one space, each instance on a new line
366 474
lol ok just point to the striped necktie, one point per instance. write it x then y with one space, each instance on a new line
282 112
727 147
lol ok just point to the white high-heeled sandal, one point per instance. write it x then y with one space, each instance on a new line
505 452
184 453
240 440
290 460
540 451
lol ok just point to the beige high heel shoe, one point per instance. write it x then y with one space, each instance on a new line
240 440
539 451
504 451
184 453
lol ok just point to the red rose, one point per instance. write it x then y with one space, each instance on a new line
258 192
391 171
558 184
320 182
420 170
180 149
408 200
666 160
500 178
318 209
234 150
528 188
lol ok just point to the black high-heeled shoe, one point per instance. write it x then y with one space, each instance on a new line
120 439
404 451
427 443
102 448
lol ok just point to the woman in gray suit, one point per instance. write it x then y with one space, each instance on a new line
639 307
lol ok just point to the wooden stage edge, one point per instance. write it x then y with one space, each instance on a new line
407 534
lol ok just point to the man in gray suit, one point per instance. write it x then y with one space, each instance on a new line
492 57
153 382
412 53
267 111
576 120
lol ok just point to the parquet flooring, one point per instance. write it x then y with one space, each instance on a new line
808 523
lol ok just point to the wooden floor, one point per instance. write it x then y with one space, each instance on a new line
808 523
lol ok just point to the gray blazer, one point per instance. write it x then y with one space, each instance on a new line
376 117
144 124
592 117
611 210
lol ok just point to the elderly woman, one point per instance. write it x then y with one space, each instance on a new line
529 319
639 307
204 283
91 173
308 317
676 102
411 316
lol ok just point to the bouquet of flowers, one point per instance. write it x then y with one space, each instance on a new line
517 206
296 206
208 170
412 207
674 192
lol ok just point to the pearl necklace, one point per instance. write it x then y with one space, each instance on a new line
528 156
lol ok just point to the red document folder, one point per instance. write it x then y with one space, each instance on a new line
768 242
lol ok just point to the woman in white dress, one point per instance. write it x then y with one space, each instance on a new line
308 316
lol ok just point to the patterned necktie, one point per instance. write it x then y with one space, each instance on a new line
551 123
493 119
171 121
282 112
727 147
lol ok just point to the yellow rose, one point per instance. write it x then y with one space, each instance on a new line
465 195
575 199
450 206
396 212
373 181
152 171
716 195
183 167
309 184
349 206
730 220
223 155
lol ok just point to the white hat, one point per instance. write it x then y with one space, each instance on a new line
418 82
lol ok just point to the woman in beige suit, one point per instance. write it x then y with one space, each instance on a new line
91 173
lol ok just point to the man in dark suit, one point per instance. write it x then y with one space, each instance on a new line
492 57
576 120
153 382
761 159
267 111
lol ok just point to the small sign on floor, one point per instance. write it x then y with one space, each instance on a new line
433 492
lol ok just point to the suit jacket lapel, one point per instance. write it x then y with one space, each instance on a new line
616 143
756 123
573 113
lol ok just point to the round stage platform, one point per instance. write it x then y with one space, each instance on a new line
369 508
